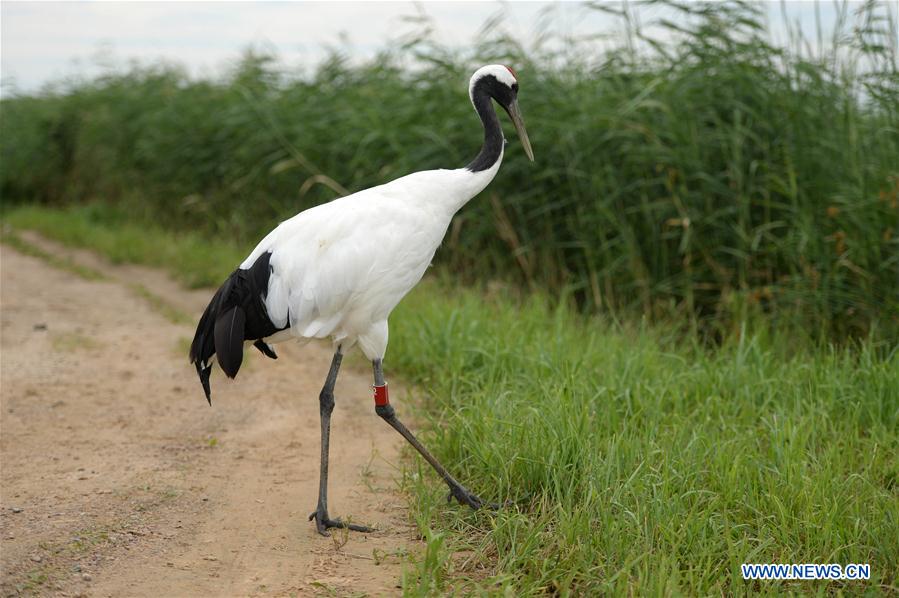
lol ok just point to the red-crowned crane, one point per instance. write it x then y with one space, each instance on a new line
337 270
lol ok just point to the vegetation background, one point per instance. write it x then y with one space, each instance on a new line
678 350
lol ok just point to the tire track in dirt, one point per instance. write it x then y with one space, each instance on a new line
118 479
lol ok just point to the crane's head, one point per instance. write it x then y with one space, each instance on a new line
500 83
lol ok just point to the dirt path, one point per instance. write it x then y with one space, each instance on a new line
118 479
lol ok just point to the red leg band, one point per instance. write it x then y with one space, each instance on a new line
381 395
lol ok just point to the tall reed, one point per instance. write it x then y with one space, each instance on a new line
706 179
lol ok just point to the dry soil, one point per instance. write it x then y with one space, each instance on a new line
119 480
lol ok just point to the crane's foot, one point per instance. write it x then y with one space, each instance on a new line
466 497
323 524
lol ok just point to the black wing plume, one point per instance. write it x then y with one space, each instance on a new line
204 380
236 313
266 349
229 329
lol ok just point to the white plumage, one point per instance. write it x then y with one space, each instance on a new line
340 268
337 271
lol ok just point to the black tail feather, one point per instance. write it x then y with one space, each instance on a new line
203 346
265 349
229 340
204 380
236 313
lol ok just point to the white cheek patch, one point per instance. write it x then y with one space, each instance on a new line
502 73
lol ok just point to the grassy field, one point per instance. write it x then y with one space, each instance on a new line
638 462
641 465
699 182
678 348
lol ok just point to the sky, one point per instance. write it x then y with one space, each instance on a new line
46 41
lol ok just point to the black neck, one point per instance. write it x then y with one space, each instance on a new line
493 132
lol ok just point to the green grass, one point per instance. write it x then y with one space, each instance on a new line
194 260
72 341
642 465
189 258
9 237
713 179
161 306
639 463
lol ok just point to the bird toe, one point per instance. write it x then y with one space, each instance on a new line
323 523
466 497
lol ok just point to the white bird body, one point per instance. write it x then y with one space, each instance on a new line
339 269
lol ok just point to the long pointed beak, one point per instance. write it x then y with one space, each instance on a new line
518 121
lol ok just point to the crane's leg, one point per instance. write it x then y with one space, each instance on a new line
325 407
387 413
